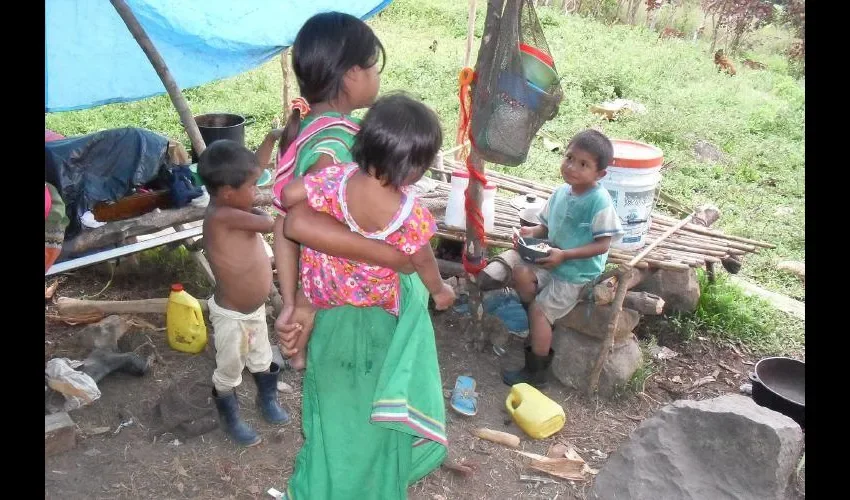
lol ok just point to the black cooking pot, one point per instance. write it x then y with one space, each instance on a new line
780 384
217 126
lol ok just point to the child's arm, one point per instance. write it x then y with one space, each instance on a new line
324 233
286 263
538 231
264 152
604 226
557 256
246 221
426 266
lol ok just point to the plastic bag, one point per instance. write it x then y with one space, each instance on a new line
78 388
507 108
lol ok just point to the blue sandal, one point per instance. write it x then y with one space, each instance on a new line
464 398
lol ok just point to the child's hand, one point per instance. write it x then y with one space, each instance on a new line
525 232
444 298
555 258
287 333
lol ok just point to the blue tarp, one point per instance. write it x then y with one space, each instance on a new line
92 59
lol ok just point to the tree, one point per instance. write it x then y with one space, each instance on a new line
737 16
795 16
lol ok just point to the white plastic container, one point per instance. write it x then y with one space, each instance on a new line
631 182
456 209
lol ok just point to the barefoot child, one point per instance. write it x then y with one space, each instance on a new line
373 412
337 61
243 278
579 220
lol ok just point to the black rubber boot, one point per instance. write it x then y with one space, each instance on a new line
535 372
235 427
267 396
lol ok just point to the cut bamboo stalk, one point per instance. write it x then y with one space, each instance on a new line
687 249
713 239
718 234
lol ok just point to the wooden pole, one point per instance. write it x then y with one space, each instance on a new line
284 66
162 70
623 279
475 248
470 37
658 240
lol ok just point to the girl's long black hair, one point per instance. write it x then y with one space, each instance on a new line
326 47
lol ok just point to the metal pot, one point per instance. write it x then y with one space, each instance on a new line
529 216
217 126
780 384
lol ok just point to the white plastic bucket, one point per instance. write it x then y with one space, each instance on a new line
631 182
456 209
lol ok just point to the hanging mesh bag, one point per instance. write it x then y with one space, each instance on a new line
516 87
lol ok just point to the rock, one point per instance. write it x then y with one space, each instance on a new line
593 320
105 333
722 448
679 289
60 434
576 353
795 267
707 152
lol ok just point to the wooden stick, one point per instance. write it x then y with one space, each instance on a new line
623 278
503 438
672 244
284 68
475 249
460 140
660 264
655 243
717 234
68 306
709 269
684 233
164 74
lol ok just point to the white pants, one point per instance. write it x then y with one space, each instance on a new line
240 340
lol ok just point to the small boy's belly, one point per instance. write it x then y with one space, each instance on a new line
243 280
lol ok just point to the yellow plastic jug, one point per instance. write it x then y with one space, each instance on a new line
184 320
533 412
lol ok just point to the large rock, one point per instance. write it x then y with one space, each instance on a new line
576 353
593 320
722 448
679 289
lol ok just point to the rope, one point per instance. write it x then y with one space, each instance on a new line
473 211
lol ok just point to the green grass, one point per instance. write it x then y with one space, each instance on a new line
643 372
726 313
756 118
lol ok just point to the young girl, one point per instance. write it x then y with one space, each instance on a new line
372 412
336 59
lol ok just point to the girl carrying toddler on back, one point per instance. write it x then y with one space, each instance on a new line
337 61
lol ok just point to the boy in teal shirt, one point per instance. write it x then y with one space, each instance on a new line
580 222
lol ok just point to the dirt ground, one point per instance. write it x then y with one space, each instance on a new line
141 462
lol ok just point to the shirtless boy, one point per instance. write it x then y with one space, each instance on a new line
243 277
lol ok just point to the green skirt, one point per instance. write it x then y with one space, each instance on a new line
373 414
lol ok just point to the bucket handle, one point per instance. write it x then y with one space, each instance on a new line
249 120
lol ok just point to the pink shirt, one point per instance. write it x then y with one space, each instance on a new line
332 281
